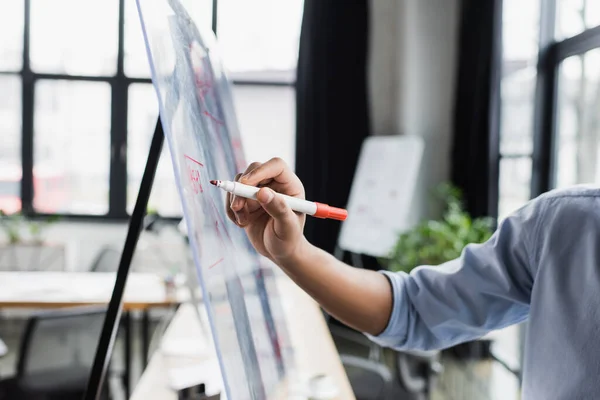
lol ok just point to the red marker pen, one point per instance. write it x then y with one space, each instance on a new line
318 210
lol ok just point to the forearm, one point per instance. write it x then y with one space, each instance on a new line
360 298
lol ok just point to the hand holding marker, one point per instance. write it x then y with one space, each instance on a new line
318 210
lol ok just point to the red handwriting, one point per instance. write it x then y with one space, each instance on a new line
216 263
194 174
213 118
191 159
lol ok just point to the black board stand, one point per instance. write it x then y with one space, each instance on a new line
115 306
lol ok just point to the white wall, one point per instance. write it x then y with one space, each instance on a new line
412 78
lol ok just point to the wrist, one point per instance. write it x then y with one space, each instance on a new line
303 251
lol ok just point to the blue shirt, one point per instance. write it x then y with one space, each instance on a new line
542 264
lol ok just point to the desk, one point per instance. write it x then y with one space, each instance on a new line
68 289
29 289
315 351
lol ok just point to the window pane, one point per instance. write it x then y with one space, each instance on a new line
271 34
74 37
11 32
520 49
574 16
10 146
514 184
72 147
143 112
578 140
136 59
267 119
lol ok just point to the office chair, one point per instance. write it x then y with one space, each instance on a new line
56 355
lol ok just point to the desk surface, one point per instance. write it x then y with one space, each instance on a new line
68 289
315 351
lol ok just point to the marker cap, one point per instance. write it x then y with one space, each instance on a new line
326 211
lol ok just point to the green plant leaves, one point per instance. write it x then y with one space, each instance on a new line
434 242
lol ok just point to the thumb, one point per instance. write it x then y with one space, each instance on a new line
280 211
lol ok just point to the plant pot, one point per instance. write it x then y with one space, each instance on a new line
29 256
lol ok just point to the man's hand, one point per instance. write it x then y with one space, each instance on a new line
274 229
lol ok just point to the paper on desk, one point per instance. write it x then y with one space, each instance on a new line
207 372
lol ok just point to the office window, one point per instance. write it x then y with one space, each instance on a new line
142 114
575 16
578 120
71 147
267 116
89 120
74 37
136 59
268 49
10 146
519 73
11 32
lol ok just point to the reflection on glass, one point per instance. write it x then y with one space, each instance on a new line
74 37
11 32
575 16
578 136
142 115
520 22
72 147
136 60
10 145
514 184
271 34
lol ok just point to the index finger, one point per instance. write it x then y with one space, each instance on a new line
275 169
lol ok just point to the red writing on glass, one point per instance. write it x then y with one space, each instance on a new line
194 174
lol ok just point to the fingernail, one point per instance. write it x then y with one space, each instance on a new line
268 196
241 219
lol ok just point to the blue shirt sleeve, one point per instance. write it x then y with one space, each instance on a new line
488 287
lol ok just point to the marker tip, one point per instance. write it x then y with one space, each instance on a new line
213 182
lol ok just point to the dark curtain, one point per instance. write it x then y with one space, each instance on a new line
475 153
331 105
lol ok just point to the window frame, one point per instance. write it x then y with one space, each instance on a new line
552 54
119 83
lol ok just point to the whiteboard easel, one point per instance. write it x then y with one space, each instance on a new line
381 197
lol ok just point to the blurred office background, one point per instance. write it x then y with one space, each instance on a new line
505 94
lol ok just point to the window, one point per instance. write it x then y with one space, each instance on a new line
549 120
578 120
142 114
136 60
519 58
10 150
71 147
11 32
74 37
90 108
268 49
575 16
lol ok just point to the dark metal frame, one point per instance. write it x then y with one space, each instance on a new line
117 201
551 55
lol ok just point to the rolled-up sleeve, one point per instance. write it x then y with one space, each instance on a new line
488 287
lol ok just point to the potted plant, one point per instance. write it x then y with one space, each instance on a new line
433 242
26 248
